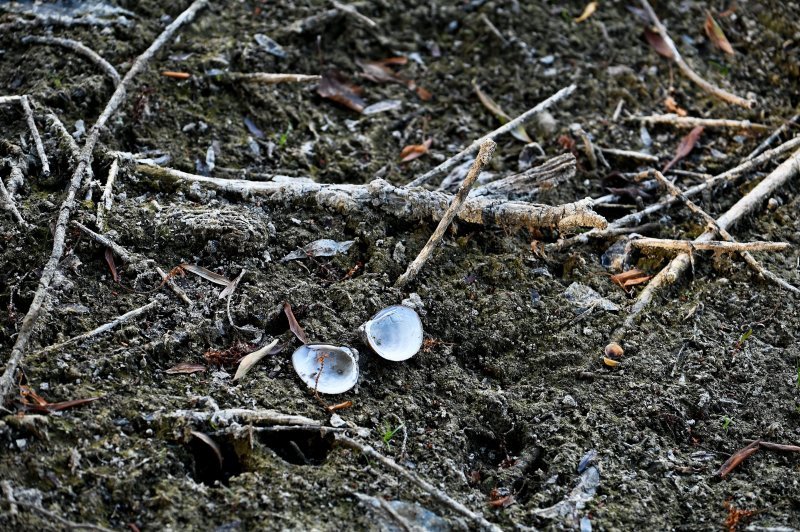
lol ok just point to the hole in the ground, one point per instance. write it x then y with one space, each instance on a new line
299 447
207 467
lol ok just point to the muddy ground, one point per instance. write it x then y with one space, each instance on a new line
509 393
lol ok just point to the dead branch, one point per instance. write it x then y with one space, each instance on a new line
8 203
712 245
119 320
9 99
473 148
483 158
687 70
107 199
37 140
690 122
547 175
272 79
407 203
773 137
673 271
80 49
230 416
429 488
59 234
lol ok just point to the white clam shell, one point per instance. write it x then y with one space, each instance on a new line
339 370
394 333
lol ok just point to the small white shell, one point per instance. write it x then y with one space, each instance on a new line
339 369
394 333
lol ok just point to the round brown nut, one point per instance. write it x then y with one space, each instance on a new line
614 350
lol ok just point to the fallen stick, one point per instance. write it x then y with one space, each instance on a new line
673 271
687 70
8 203
737 458
748 258
416 203
483 158
80 49
229 416
772 138
473 148
9 99
712 245
272 79
433 491
107 199
119 320
666 201
630 154
690 122
37 140
59 234
777 446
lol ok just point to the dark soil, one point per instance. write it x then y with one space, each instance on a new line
508 371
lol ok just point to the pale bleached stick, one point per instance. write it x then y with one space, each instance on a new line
712 245
272 79
80 49
748 258
673 271
690 122
631 154
408 203
8 203
473 148
687 70
483 158
119 320
37 140
107 200
440 496
666 201
773 137
9 99
117 99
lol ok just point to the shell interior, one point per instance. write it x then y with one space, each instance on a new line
394 333
339 367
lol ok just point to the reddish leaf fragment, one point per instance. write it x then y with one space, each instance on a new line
716 35
685 147
63 405
409 153
737 458
380 72
185 368
335 87
501 498
658 43
33 402
111 266
294 325
424 94
673 107
630 278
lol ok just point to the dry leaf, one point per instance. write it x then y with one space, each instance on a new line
294 325
588 11
737 458
673 107
409 153
518 132
379 72
111 266
232 286
334 86
630 278
33 402
424 94
716 35
685 147
207 274
658 43
250 360
185 368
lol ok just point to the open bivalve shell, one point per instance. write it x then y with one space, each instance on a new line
339 367
394 333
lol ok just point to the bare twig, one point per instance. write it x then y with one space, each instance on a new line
483 158
673 271
119 320
738 457
777 446
49 270
10 206
473 148
432 490
773 137
691 122
9 99
687 70
271 79
353 12
407 203
107 200
241 416
712 245
80 49
631 154
37 140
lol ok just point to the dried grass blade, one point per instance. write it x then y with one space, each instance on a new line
207 274
250 360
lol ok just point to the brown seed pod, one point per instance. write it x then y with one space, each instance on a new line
614 350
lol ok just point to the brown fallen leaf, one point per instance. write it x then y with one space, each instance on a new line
334 86
588 11
716 35
293 324
33 402
185 368
737 458
109 255
685 147
340 406
380 72
630 278
673 107
658 43
413 151
518 132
